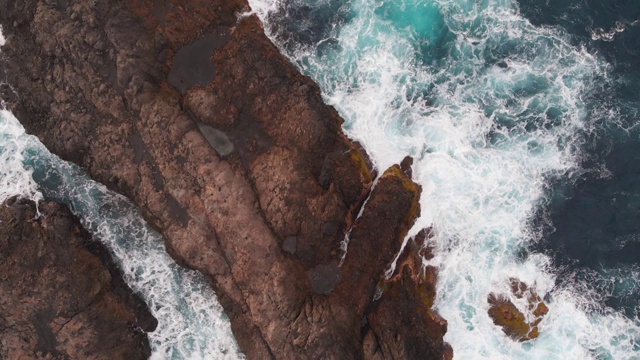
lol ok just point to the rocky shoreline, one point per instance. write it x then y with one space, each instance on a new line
232 155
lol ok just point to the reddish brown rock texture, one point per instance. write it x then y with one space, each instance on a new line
58 300
229 152
513 322
402 324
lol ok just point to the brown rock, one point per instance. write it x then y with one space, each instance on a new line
407 299
513 322
405 165
92 78
57 298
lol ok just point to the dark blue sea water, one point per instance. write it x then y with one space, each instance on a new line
522 118
597 221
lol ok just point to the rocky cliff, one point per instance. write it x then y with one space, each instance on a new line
60 297
232 155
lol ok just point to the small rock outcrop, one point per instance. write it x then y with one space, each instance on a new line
407 298
513 322
58 299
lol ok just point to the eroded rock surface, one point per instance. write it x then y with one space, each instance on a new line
58 300
513 322
256 217
403 325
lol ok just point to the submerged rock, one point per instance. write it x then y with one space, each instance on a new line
58 299
513 322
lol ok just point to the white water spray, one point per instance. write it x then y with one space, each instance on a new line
2 39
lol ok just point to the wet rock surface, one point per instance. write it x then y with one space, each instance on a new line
257 209
58 299
192 64
513 322
407 299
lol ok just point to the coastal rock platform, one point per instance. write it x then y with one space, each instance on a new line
189 110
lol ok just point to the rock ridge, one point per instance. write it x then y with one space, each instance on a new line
228 151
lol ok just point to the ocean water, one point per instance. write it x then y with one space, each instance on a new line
521 118
191 322
596 233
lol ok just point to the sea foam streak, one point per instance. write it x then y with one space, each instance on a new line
191 323
490 107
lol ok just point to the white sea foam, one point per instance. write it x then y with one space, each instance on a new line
610 35
2 39
191 322
489 121
15 180
604 35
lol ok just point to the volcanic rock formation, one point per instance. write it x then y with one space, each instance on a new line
402 324
58 299
230 152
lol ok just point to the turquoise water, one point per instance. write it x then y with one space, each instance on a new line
501 116
191 323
